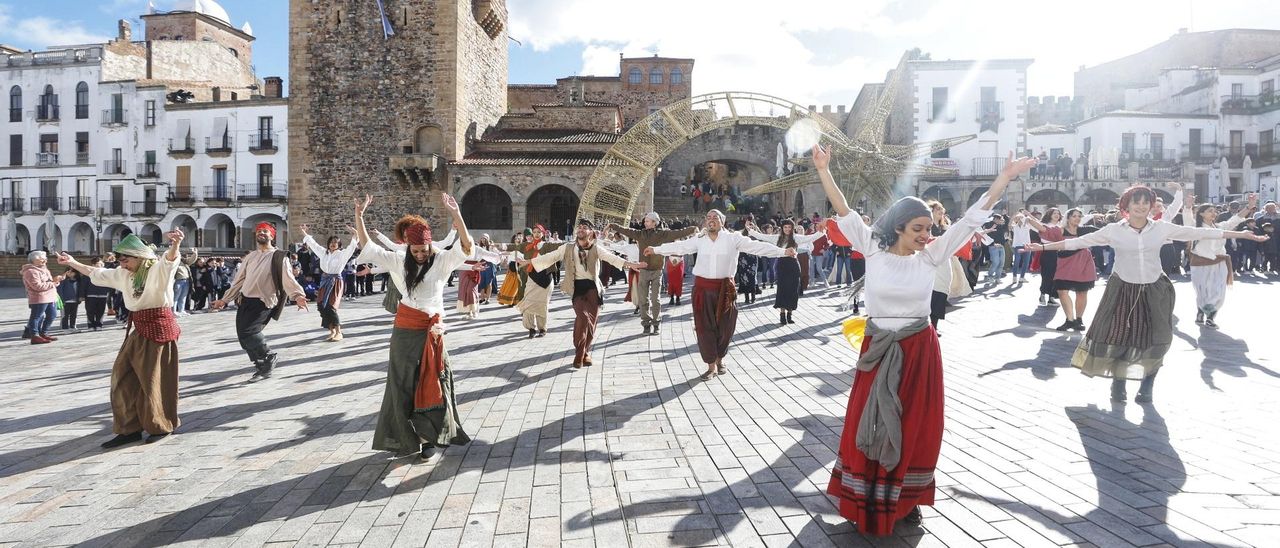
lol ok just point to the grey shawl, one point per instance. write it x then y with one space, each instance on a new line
880 428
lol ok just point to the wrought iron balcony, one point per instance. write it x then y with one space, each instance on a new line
263 142
46 159
82 112
113 167
112 207
149 209
181 195
219 193
79 204
941 112
115 117
82 158
45 203
11 205
185 145
148 170
225 145
277 191
15 115
986 167
1204 153
47 113
1153 155
1250 104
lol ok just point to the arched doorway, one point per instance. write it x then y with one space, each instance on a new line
428 140
248 240
191 233
220 232
1049 198
553 206
1100 198
798 210
151 234
80 241
113 234
49 242
24 239
487 207
944 197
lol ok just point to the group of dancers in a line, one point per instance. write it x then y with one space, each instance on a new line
894 421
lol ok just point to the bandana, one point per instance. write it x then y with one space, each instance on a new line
417 234
268 227
587 223
132 246
528 232
543 229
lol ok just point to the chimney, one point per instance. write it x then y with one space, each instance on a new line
274 87
840 109
124 31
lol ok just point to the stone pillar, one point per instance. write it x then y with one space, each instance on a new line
519 215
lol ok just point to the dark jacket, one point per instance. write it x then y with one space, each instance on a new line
72 291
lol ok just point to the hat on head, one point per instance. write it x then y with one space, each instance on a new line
528 232
653 215
587 222
268 227
132 246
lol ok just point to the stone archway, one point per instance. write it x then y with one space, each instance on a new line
486 207
49 242
944 197
627 168
1100 198
247 240
80 239
1050 197
553 206
113 234
220 232
24 238
189 228
151 234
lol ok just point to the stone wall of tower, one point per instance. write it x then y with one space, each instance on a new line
356 96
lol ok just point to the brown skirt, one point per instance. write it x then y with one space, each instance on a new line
1131 332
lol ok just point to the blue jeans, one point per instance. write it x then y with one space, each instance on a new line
1021 261
181 288
42 316
817 268
997 261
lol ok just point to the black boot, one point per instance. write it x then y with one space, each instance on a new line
655 328
1117 391
782 318
789 320
1199 317
264 367
1066 325
1144 389
1079 325
532 332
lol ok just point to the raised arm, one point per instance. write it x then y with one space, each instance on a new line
175 245
802 239
822 163
1013 167
362 234
1098 238
678 247
546 260
310 241
460 225
628 232
387 242
763 249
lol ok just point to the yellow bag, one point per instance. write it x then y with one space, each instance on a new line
854 329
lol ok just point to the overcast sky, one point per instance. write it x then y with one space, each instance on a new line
808 51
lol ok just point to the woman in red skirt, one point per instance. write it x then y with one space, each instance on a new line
893 425
675 279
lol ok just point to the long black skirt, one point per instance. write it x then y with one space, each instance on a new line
1048 269
788 296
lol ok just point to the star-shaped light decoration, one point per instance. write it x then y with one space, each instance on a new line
866 166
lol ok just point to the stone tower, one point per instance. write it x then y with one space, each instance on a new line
385 114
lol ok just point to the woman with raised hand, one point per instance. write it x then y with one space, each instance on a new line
1133 328
893 425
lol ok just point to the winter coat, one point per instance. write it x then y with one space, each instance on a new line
39 284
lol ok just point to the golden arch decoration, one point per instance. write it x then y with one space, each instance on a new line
616 183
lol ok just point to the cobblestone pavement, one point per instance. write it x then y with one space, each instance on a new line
637 451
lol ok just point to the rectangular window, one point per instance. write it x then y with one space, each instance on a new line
1088 145
82 188
15 150
49 143
264 126
182 180
1157 146
49 189
938 109
1268 89
1237 90
1266 143
264 175
1127 147
1194 139
151 113
82 147
219 190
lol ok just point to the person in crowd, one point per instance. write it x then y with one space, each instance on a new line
42 297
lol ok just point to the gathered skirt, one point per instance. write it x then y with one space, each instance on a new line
1210 283
1130 333
507 293
869 495
788 296
402 429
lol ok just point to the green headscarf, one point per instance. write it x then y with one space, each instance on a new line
132 246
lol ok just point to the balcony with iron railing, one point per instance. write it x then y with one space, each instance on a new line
82 158
219 193
15 115
276 191
79 204
45 203
214 146
941 113
186 145
113 167
263 142
1203 153
986 167
115 117
46 159
1268 153
47 113
112 207
989 111
149 209
1235 155
1250 104
11 205
183 195
148 170
1150 156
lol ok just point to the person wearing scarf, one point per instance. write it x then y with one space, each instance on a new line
144 378
581 283
715 315
419 411
537 291
790 271
893 426
333 259
261 297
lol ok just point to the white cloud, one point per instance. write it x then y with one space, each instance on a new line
823 51
40 32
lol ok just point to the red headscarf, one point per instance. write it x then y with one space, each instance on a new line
268 227
417 234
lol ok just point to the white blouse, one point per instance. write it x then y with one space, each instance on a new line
804 242
1021 234
331 263
898 287
1210 249
436 245
428 296
1138 251
718 258
157 291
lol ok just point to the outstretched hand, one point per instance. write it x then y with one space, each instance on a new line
821 157
304 229
362 206
175 236
63 258
449 203
1013 167
352 230
301 301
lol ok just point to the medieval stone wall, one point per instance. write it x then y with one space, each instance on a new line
602 119
755 145
521 98
195 27
356 95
